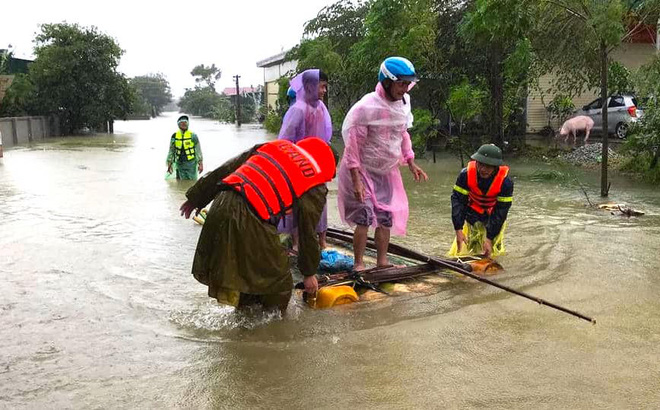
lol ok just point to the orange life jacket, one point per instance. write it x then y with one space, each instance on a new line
476 199
279 173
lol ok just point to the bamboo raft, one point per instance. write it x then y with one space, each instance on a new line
339 289
410 276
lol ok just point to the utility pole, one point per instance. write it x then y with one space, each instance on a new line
238 101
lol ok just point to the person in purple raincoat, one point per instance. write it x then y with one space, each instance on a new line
307 117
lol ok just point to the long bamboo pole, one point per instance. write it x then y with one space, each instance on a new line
380 275
452 266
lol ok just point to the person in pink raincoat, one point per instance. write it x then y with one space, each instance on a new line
307 117
377 142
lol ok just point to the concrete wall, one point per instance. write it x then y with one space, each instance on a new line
23 130
537 115
271 90
634 56
273 73
630 55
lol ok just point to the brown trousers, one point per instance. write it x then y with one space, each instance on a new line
267 302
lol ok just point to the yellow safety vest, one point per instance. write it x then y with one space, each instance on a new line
184 142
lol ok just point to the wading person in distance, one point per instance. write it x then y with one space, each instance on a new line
185 155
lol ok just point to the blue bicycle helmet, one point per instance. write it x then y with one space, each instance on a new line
291 95
397 69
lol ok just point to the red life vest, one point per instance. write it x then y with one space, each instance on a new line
476 199
279 173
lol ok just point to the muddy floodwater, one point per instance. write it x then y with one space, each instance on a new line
98 308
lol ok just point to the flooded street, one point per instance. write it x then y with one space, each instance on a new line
98 308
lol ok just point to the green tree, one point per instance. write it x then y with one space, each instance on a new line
575 38
560 108
201 101
75 76
349 41
344 86
647 80
19 98
498 30
154 90
619 79
224 110
484 41
140 106
318 53
399 27
466 101
643 141
342 23
208 75
273 120
327 44
4 61
424 130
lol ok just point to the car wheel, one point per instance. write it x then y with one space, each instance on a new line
621 130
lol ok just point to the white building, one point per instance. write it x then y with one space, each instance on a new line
275 67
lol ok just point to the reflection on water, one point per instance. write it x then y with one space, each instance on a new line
98 305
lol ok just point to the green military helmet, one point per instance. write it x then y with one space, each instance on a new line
488 154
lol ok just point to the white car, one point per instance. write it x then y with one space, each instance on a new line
622 110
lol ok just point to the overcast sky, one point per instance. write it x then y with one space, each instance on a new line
173 37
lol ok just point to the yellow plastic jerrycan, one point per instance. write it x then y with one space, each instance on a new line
330 296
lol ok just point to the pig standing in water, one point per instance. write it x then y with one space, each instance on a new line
575 124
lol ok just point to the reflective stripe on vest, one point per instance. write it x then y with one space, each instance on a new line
273 178
476 199
183 141
461 190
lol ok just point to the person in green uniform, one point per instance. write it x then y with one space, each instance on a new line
480 203
185 155
239 255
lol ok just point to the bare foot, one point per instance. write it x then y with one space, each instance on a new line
385 263
359 267
323 244
389 265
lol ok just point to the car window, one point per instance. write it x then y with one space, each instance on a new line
634 101
617 101
594 105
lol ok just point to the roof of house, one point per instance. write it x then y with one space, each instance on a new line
273 60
